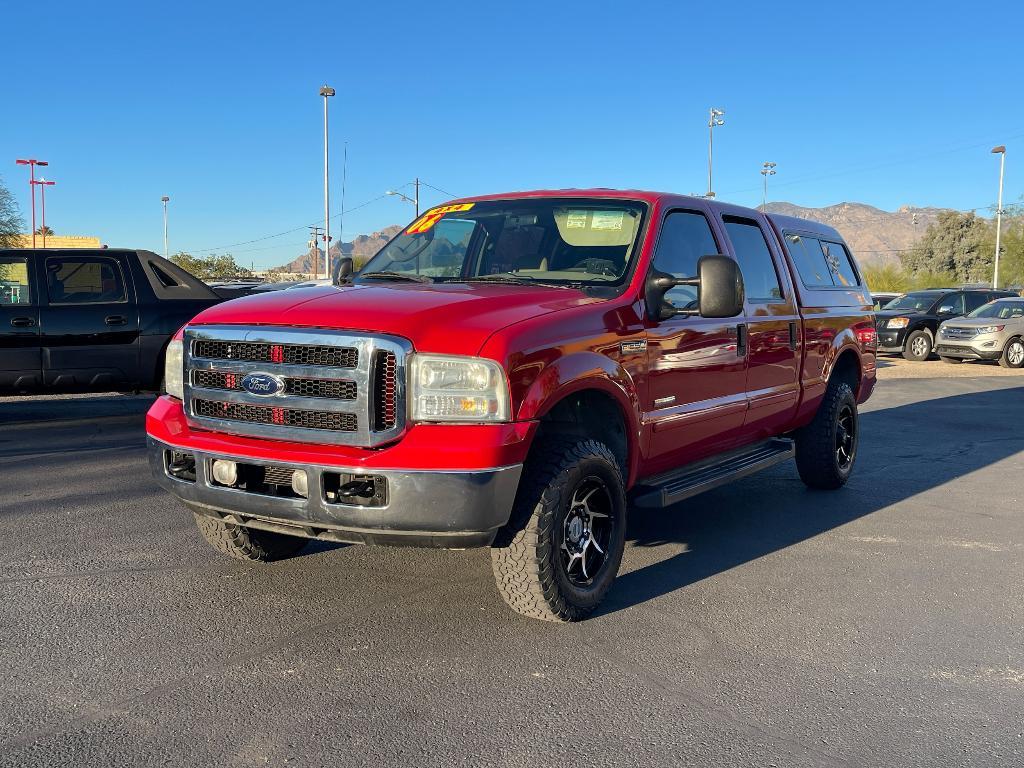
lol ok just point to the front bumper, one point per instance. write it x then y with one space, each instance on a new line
891 341
973 351
433 508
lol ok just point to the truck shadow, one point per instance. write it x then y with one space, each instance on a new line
904 451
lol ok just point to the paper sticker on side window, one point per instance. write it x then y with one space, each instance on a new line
607 220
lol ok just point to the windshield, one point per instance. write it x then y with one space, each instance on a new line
1001 310
913 302
577 241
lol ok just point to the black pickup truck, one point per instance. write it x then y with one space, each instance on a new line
90 320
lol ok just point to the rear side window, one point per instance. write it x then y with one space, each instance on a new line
84 280
760 280
15 288
810 260
685 237
974 300
837 258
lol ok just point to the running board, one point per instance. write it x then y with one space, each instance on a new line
692 481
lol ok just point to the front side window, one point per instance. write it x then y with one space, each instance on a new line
84 280
760 280
15 288
953 304
685 237
581 241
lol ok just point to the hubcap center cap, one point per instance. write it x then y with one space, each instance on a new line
576 529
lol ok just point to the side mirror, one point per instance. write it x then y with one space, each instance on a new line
342 271
719 290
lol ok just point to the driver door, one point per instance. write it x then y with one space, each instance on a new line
696 394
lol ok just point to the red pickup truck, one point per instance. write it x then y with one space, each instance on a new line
508 371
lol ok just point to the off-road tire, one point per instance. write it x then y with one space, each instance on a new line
248 543
914 340
1010 358
526 555
816 443
951 360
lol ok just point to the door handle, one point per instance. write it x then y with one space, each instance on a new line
741 340
792 336
22 322
116 320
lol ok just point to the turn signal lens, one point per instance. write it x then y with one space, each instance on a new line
898 322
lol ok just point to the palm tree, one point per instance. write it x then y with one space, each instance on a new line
45 231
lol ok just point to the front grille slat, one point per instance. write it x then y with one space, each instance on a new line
334 389
266 414
268 352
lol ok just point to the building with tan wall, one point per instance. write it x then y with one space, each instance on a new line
60 241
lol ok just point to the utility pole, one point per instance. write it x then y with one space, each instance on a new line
714 119
43 184
1001 151
768 169
415 200
165 200
314 248
326 91
32 163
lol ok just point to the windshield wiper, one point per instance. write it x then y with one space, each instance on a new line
409 276
499 278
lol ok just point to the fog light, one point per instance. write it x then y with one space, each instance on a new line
300 484
225 472
989 344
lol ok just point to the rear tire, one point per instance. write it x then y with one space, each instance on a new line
918 346
951 360
558 555
249 544
826 449
1013 354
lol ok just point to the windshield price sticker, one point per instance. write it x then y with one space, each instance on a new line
434 215
576 220
607 220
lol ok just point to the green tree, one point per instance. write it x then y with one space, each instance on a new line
211 267
11 223
958 244
886 277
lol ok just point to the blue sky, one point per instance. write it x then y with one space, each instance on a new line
215 104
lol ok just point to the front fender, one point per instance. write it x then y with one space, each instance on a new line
585 371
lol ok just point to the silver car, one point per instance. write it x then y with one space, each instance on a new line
994 331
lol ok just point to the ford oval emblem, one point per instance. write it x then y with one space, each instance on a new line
263 384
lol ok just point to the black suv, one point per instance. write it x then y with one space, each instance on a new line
908 325
90 320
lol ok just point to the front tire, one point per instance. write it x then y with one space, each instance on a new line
1013 354
826 449
918 346
249 544
558 555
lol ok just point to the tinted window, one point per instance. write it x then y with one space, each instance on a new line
685 237
760 280
838 261
14 282
951 304
915 302
1004 310
810 260
83 280
974 300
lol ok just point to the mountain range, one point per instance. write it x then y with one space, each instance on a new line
874 235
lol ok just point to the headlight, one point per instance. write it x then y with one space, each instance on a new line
898 322
989 329
174 370
465 389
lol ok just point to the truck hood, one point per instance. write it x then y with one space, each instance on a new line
977 322
451 318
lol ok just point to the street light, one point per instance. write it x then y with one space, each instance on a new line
32 163
415 200
1001 151
325 91
714 119
165 200
768 169
43 184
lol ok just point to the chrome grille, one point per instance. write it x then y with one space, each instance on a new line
955 332
331 387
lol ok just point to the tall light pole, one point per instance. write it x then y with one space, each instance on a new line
32 163
43 184
714 119
326 91
1001 151
165 199
768 169
415 200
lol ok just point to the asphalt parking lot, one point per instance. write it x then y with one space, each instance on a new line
761 624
